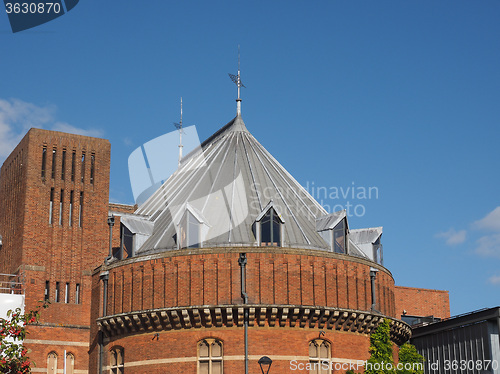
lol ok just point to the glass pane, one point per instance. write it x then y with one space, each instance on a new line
323 350
324 367
183 237
313 351
204 367
52 363
193 231
119 357
203 349
113 358
314 367
70 363
216 367
276 233
216 349
338 239
265 232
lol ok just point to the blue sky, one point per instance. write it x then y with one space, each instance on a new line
398 95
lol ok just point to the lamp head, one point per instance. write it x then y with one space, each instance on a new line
265 364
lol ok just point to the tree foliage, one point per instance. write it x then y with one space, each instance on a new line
408 355
13 353
381 359
380 349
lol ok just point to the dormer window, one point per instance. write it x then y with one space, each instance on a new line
368 242
192 229
378 252
339 237
268 227
333 229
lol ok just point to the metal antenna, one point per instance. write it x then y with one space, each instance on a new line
237 80
178 126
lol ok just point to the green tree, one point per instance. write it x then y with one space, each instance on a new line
411 360
13 353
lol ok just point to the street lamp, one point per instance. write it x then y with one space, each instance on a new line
111 223
265 363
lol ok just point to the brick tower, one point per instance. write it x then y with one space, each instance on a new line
54 191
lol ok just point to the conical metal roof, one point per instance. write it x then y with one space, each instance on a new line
227 185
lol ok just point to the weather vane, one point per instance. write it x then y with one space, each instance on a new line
237 80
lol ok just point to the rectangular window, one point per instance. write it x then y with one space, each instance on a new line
73 161
80 212
61 208
63 165
44 161
47 290
92 168
51 205
71 197
57 292
66 294
54 152
77 293
83 167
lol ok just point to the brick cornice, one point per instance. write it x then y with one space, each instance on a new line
279 316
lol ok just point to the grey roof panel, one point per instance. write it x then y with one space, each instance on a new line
369 235
229 181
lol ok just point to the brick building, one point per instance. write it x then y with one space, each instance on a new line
53 196
171 299
231 219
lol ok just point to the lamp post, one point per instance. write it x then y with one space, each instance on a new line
111 223
242 261
373 276
265 363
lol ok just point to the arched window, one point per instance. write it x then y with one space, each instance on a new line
210 356
70 363
319 356
52 363
116 362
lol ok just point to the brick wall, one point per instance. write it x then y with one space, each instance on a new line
68 248
281 344
422 302
204 278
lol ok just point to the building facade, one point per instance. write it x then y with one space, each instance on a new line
53 196
230 243
231 239
464 344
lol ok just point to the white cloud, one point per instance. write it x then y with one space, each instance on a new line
66 127
452 237
17 117
489 245
495 279
490 222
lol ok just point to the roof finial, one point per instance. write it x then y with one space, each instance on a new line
179 127
237 80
